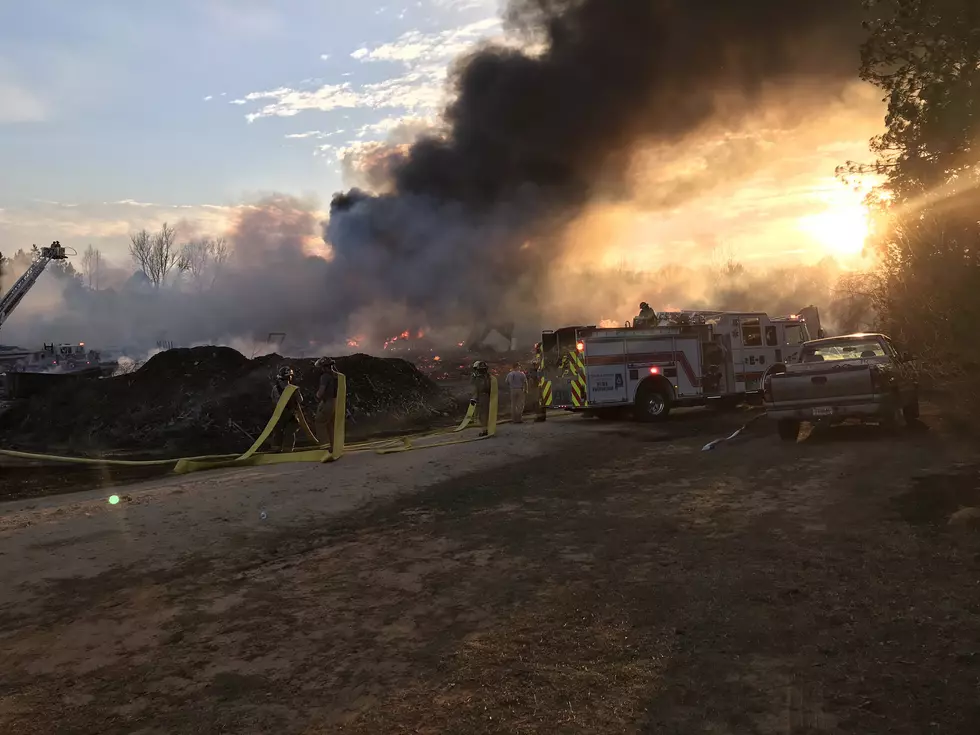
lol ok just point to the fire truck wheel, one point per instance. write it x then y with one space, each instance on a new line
652 402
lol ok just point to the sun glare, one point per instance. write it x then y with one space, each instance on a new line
841 229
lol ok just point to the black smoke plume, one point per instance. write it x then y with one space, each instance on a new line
469 220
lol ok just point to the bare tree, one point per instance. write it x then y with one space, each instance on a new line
204 260
156 255
92 267
141 250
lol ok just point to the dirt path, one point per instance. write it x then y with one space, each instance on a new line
587 578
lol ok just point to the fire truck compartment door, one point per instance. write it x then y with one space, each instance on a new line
607 384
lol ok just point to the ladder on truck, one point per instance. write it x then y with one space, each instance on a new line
10 300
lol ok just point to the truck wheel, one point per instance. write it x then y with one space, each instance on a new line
911 411
789 429
652 403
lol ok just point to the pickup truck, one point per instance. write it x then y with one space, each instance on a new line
856 376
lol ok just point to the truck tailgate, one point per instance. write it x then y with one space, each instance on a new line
819 383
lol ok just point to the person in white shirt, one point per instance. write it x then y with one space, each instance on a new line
517 382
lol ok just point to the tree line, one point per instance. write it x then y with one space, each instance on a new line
925 57
159 256
156 255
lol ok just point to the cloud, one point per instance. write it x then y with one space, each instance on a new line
106 225
209 98
18 104
419 90
417 47
316 134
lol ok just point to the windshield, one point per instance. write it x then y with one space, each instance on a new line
796 334
849 350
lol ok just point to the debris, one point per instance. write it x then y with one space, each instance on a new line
202 400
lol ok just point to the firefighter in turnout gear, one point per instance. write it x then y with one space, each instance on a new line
534 387
284 435
647 316
326 400
481 393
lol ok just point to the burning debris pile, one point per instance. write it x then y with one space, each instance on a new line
211 399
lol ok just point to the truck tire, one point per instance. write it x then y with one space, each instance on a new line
789 429
911 411
652 402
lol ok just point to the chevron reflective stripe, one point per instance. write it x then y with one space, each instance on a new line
577 369
546 392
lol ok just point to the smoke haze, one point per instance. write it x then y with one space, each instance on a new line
476 219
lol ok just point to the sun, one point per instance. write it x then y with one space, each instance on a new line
841 229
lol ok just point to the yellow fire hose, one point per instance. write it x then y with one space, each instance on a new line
254 457
251 457
491 428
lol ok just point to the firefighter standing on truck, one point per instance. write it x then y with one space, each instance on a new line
326 397
481 394
285 432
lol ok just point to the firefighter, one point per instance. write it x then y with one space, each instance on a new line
481 393
647 316
326 400
288 426
535 380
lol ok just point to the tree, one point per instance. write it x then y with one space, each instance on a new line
92 267
925 56
203 260
155 255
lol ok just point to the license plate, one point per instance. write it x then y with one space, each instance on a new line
823 411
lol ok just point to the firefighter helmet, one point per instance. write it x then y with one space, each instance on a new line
285 374
325 363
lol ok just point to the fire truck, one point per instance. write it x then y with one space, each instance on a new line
688 358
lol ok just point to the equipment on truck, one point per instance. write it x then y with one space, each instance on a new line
689 359
10 300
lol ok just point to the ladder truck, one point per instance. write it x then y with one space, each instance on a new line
10 300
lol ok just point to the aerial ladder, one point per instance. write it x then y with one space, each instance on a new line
10 300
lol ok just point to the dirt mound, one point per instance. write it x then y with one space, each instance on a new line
211 399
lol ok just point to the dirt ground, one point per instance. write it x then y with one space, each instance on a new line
573 577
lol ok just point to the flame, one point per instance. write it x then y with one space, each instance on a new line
671 308
437 358
608 323
354 342
404 335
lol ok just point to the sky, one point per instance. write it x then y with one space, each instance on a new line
117 116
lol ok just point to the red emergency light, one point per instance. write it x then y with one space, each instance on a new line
654 370
580 346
